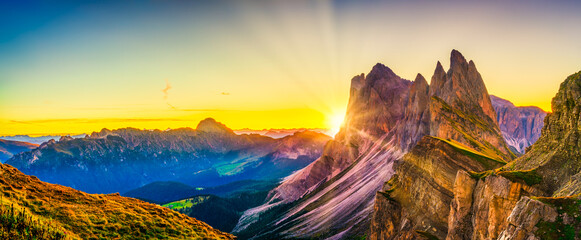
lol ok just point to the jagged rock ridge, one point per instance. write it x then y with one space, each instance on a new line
336 191
536 196
463 135
520 126
386 117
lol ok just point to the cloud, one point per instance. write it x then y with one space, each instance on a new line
98 120
225 93
171 106
166 89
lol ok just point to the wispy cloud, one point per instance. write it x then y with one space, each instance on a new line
166 89
171 106
98 120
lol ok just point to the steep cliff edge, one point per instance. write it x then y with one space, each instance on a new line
556 155
464 136
461 108
386 117
537 195
520 126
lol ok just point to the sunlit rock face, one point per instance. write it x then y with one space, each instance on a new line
333 197
520 126
463 136
415 134
536 196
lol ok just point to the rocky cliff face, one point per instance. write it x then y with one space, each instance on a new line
536 196
520 126
461 108
337 191
387 116
464 137
556 154
124 159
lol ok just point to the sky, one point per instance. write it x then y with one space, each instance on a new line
69 67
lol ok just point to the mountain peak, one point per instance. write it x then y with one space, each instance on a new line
456 58
210 125
438 80
420 79
380 71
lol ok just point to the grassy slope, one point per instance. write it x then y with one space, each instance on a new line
98 216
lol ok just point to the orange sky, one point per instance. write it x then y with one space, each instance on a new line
77 68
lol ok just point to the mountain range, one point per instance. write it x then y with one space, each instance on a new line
124 159
280 133
413 160
10 148
535 196
37 140
426 141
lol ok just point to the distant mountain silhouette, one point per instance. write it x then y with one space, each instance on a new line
124 159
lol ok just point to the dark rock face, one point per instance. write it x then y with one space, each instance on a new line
376 105
10 148
464 137
124 159
424 183
536 196
520 126
416 121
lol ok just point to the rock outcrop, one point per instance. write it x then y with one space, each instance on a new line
461 109
556 155
464 137
520 126
439 145
337 191
387 117
536 196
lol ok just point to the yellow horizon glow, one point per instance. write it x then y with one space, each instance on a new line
261 65
277 119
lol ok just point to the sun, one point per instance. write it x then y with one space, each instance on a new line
335 122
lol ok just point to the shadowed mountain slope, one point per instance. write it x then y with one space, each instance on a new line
10 148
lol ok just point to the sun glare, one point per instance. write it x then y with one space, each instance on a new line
335 122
